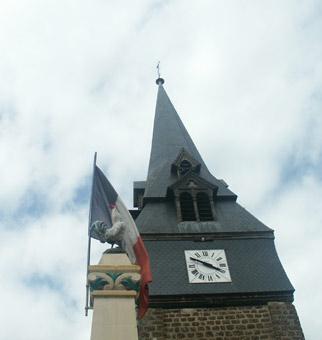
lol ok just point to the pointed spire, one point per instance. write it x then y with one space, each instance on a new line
169 134
169 138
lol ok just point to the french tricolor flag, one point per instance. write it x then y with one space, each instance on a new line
104 200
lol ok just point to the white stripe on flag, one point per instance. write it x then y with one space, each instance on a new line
131 233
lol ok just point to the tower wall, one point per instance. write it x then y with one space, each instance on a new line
275 320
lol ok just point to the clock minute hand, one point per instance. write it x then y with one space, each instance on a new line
207 264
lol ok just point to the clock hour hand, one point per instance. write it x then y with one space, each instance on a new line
207 264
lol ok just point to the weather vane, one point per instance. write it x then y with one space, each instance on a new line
159 81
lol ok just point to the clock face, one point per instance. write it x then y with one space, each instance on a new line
207 266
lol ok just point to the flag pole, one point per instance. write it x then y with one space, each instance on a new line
89 240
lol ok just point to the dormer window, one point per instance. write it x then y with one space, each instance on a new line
195 205
185 163
184 167
194 198
204 207
187 207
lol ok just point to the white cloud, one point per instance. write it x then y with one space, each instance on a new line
77 77
296 216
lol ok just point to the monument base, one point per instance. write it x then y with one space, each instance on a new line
114 286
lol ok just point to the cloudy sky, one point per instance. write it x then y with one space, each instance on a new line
77 76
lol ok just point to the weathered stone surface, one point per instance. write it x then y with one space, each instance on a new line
276 320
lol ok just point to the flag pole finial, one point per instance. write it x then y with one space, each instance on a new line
159 81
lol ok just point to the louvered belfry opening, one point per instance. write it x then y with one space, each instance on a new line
204 207
187 208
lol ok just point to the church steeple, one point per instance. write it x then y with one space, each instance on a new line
178 178
207 252
170 137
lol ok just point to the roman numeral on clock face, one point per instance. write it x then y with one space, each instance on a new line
195 272
201 277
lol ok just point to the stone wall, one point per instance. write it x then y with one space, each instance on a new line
276 320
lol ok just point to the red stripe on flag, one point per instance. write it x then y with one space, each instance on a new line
142 259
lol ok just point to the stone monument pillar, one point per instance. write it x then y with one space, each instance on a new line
114 286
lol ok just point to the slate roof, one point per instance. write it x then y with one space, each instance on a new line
254 267
161 217
169 137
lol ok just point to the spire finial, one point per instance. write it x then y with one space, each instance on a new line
159 81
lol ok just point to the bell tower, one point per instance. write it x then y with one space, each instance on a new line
216 272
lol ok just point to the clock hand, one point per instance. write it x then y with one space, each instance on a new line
203 262
207 264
